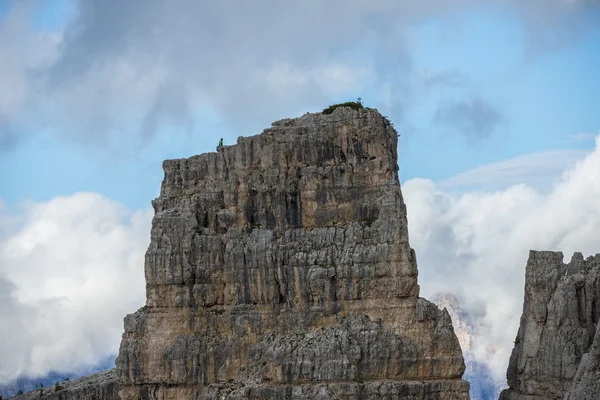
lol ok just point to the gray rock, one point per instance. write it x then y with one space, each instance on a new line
280 267
558 326
586 384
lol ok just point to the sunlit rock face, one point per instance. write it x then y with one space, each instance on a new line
280 267
557 348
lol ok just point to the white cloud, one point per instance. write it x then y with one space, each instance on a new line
333 79
538 170
68 275
476 244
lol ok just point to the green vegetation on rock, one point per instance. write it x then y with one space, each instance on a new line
355 105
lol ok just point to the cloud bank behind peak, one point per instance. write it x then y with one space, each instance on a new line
475 244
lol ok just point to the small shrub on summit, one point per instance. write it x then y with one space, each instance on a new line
355 105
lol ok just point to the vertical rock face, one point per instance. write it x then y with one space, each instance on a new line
555 354
280 268
586 384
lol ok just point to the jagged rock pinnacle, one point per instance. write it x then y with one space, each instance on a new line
557 348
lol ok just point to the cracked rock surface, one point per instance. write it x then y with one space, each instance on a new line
557 348
280 268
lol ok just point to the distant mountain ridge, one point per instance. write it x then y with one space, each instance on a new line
484 384
27 384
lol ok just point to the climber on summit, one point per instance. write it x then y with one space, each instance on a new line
220 145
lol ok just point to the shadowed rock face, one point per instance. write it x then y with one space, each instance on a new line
586 384
280 268
557 348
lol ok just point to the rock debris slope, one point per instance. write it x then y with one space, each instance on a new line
557 348
280 268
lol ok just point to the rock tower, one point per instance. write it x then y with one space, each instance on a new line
280 268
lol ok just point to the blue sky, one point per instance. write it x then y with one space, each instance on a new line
494 101
536 98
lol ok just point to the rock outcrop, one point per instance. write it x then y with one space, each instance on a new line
557 348
280 268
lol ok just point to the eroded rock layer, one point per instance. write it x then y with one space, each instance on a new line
555 354
280 268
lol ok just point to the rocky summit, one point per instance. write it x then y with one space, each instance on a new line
280 268
557 348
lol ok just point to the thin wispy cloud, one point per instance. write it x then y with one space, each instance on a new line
540 171
432 78
580 137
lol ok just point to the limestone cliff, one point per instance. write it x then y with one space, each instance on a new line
557 348
280 267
